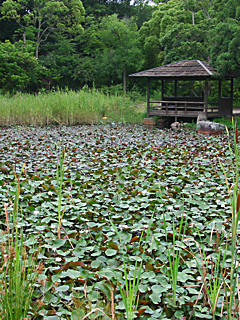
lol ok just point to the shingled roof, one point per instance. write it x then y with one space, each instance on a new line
192 69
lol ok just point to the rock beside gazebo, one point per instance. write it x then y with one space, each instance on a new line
208 127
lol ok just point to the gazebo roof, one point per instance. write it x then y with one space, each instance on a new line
186 69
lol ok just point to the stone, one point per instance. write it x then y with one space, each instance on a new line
201 117
208 127
176 126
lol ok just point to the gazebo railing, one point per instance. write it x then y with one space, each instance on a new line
173 108
186 108
213 107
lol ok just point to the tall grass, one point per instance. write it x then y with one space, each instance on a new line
220 277
174 255
59 189
129 284
231 285
18 274
67 108
18 268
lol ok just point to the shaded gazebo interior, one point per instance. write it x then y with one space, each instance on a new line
190 72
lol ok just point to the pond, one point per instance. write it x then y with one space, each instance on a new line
128 195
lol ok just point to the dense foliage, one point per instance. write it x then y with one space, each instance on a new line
72 43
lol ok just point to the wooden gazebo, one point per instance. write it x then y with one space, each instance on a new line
186 106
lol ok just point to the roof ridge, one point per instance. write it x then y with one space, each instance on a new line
205 68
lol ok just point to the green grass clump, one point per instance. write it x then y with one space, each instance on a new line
129 284
67 108
18 268
18 275
227 122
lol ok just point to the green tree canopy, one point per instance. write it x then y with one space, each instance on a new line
19 69
38 19
113 39
224 46
119 52
177 30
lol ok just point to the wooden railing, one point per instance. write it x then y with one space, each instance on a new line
187 108
183 105
174 108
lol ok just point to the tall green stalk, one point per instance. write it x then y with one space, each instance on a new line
174 256
212 279
18 268
234 195
19 275
60 177
129 290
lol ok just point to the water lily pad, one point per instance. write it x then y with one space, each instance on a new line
110 252
62 288
58 243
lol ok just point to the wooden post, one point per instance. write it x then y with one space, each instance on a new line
219 89
206 97
231 89
175 88
231 104
124 80
148 96
162 89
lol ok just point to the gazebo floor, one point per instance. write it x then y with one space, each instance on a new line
162 113
184 114
236 112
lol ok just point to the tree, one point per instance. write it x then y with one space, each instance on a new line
224 46
19 70
177 30
61 60
39 18
85 71
185 41
102 8
119 52
140 10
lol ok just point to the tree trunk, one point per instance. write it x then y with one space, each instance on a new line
206 94
24 37
124 80
193 17
110 80
38 39
37 50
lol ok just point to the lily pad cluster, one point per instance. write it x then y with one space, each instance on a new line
128 177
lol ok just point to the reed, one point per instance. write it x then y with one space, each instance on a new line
18 268
220 279
129 285
59 187
231 281
174 255
66 108
211 269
